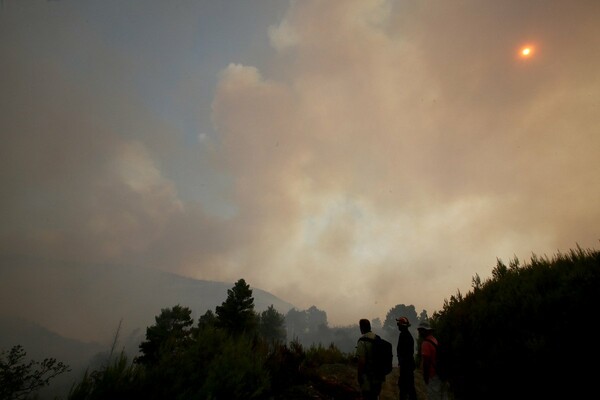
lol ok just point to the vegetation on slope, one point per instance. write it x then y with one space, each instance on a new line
523 333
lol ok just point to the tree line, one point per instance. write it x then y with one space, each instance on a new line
526 332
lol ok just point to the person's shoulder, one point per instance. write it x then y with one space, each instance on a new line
429 343
432 339
367 337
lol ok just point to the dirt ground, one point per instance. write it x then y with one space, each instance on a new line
390 387
339 382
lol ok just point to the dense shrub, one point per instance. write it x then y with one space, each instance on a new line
513 334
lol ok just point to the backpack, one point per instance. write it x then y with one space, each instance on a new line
383 355
441 360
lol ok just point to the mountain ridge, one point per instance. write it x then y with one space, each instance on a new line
89 302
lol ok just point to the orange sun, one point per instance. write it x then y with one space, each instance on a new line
526 52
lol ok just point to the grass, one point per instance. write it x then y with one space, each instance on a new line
390 387
342 377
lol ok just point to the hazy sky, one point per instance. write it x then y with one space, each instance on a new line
352 155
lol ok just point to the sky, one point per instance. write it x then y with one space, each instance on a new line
352 155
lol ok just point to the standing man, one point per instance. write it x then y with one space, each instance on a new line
406 361
429 343
370 383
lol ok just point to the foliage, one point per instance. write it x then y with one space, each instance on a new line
236 315
296 322
233 354
504 339
284 366
309 326
271 325
294 369
209 319
20 379
316 319
216 365
319 355
170 334
236 372
390 329
345 337
400 310
513 333
116 380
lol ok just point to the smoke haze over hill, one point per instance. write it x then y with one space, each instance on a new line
89 302
352 155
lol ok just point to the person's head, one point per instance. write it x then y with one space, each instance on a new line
402 323
424 329
365 325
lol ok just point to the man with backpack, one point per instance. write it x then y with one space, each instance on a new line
406 361
369 380
428 355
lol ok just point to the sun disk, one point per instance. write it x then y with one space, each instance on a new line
526 51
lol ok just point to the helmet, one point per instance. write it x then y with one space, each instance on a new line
402 321
424 325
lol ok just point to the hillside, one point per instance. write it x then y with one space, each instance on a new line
88 302
40 343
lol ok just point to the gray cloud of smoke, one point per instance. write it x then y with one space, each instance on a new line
379 153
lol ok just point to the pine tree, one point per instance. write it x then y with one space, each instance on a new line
272 325
236 314
169 335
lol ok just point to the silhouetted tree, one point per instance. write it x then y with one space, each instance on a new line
345 337
316 319
271 325
296 323
169 335
390 328
209 362
376 325
422 317
308 327
209 319
400 310
236 314
20 379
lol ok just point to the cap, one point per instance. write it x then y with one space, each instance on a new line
424 325
402 321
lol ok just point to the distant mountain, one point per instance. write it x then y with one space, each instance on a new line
90 302
40 343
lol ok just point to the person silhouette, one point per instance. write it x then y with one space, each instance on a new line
405 352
